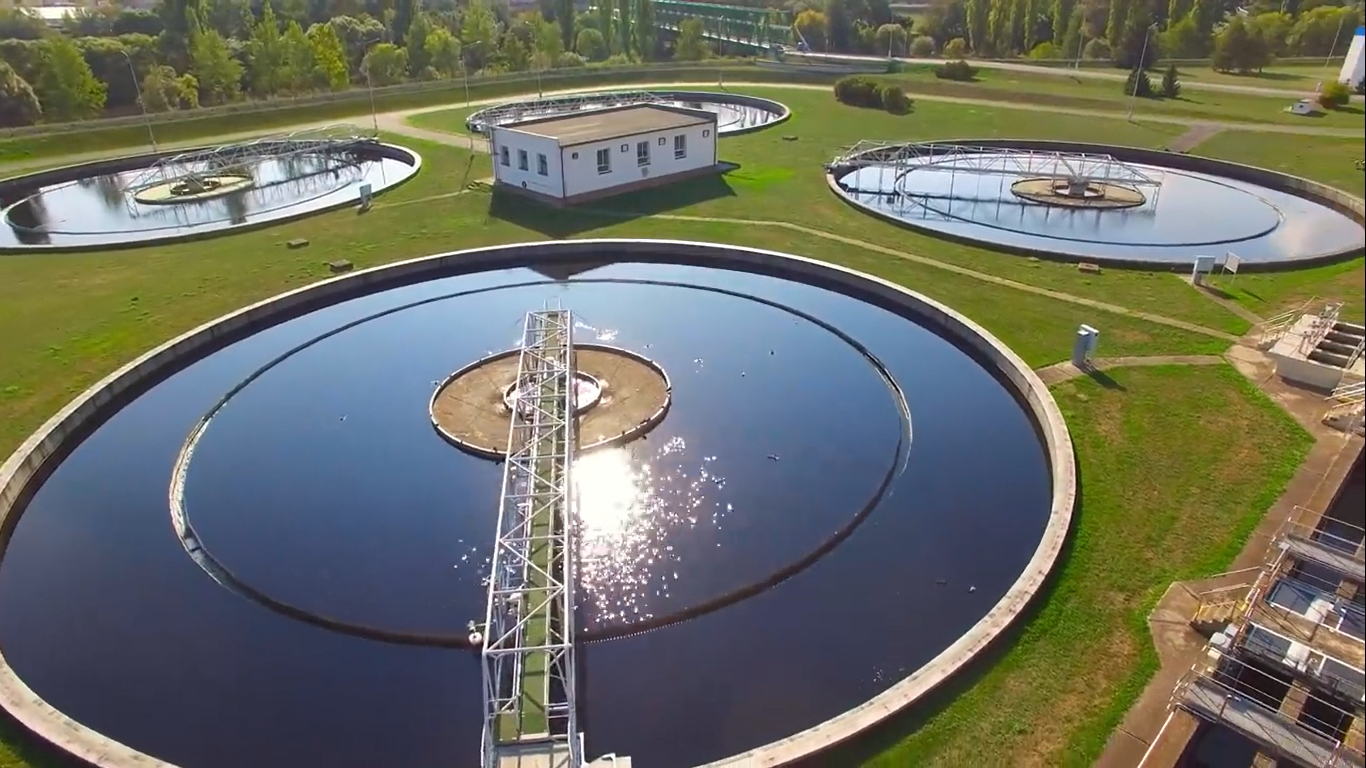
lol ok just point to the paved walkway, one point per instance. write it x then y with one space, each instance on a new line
1192 138
1065 371
1091 73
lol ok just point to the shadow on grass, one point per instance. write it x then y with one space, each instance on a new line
32 751
567 222
895 729
1102 378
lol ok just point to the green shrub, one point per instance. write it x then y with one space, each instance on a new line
1044 51
895 100
922 46
1335 95
1171 85
956 70
1096 50
861 91
956 48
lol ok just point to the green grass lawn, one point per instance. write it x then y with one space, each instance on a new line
1153 510
1105 95
1157 506
1298 78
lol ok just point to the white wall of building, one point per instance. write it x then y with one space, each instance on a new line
511 147
1354 68
582 173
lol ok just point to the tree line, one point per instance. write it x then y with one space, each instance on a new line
188 53
1238 37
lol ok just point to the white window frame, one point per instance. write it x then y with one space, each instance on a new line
542 165
523 160
604 161
642 153
680 146
505 156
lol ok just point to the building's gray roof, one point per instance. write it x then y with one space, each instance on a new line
612 123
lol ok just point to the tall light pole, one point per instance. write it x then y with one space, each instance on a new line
370 86
465 66
1142 58
137 89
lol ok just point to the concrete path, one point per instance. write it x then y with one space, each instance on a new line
1097 74
1065 371
1192 138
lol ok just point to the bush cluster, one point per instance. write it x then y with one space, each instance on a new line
1335 95
859 91
956 70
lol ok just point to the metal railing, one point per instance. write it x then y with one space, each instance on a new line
1273 328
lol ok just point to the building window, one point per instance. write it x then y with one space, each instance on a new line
522 161
661 141
706 132
680 146
604 161
542 166
625 148
642 153
504 154
574 156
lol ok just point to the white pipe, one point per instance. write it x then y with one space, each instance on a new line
1153 744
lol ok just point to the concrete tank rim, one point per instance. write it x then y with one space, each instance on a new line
64 173
1336 199
719 97
63 430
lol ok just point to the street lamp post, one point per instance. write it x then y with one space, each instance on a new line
465 66
370 86
1142 57
137 89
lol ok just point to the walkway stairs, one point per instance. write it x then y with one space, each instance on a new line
1347 408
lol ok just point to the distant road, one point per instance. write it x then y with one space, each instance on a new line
1082 72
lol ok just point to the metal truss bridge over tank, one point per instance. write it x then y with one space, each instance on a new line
530 682
994 161
757 28
328 144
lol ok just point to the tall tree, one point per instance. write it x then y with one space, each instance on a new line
607 22
443 52
329 58
211 62
564 16
692 45
643 27
978 14
404 13
18 103
266 54
416 43
298 70
67 88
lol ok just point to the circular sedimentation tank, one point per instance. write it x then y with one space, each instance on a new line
846 491
164 197
735 113
1104 204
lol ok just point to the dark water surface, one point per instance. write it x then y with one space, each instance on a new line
323 483
1188 215
98 210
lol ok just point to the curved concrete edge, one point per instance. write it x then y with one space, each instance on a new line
1345 203
22 471
131 162
627 435
721 97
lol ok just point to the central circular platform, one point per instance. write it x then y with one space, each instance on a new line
193 189
784 499
622 395
1069 193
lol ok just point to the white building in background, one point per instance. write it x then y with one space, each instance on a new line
1354 68
597 153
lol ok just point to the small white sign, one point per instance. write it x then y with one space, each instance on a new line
1231 262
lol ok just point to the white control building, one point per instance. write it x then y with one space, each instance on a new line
568 159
